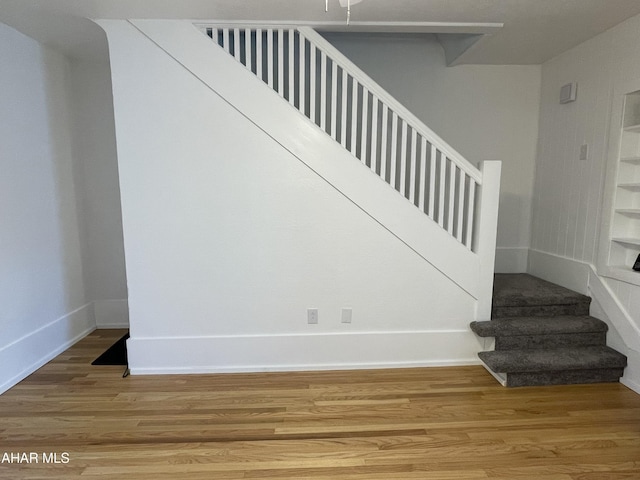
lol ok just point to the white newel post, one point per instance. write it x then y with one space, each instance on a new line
486 231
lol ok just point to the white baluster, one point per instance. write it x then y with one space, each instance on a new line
423 173
291 66
432 181
247 48
403 160
334 100
225 39
302 106
312 82
413 167
259 54
374 133
214 35
383 142
461 189
452 196
441 188
236 44
323 91
281 62
270 57
354 114
343 109
364 121
470 213
394 151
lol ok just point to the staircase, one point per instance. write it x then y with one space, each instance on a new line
458 199
545 336
271 133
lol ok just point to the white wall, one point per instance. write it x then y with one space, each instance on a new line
230 238
568 193
486 112
96 168
44 306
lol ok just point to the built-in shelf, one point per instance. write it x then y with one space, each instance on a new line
630 186
627 241
623 227
628 211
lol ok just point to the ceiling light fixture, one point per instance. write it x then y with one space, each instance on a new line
344 4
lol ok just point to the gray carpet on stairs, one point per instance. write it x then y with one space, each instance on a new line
523 289
545 336
519 295
553 359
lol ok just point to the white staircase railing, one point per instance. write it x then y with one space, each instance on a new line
315 78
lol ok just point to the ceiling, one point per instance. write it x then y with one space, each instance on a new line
534 31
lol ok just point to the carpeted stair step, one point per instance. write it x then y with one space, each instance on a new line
556 366
543 332
545 336
522 295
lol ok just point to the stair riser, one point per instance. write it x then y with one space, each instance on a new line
550 341
567 377
578 309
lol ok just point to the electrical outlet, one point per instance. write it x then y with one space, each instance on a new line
346 315
312 316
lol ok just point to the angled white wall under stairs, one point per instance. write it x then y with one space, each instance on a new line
239 215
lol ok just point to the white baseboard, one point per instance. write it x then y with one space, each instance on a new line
511 259
631 377
567 272
21 358
263 353
111 313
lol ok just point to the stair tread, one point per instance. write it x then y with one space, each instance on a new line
522 289
565 377
538 326
578 358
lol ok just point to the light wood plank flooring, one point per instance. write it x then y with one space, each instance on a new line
436 423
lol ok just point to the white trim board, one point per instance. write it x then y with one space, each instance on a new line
569 273
360 26
297 352
27 354
618 319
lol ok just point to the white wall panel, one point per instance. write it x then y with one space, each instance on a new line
41 277
568 191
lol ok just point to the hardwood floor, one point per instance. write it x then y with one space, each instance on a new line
437 423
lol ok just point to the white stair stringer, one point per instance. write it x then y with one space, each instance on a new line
309 144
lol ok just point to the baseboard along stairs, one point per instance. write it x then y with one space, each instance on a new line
545 336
